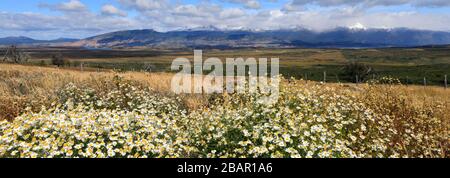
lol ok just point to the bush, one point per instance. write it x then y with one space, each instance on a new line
354 71
58 60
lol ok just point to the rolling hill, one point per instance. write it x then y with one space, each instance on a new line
216 38
21 40
339 37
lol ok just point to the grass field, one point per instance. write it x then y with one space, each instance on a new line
52 112
409 65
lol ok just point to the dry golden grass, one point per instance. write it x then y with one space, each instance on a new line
25 86
32 86
412 109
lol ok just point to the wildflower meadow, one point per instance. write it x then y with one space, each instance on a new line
129 119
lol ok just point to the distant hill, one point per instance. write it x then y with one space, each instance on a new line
63 40
213 38
16 40
21 40
216 38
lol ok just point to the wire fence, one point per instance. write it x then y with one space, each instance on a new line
405 80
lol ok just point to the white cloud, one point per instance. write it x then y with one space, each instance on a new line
372 3
253 4
250 4
290 7
232 13
143 5
433 3
110 10
72 5
68 6
78 21
72 25
190 10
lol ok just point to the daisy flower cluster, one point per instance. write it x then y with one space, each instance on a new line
306 122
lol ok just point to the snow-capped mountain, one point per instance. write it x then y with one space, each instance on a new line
356 35
357 26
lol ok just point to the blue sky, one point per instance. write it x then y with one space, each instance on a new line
49 19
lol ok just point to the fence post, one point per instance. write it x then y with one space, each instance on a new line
357 79
81 66
424 81
325 77
445 81
306 77
407 80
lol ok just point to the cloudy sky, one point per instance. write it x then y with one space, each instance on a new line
83 18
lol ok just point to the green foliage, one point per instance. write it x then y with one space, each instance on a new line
58 60
358 71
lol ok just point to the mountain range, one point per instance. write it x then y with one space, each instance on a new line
21 40
217 38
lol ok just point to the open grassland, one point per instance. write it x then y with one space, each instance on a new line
410 65
51 112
